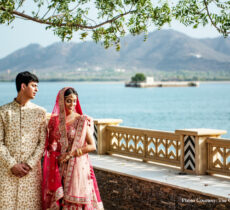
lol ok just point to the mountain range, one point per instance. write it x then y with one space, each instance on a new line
164 50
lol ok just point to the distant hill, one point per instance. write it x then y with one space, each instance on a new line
164 50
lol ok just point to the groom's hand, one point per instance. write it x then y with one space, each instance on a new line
20 169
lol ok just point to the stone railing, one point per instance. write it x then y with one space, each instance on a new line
218 156
147 145
195 151
100 133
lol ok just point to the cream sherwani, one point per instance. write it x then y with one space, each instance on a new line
22 139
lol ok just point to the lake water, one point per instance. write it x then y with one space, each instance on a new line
168 109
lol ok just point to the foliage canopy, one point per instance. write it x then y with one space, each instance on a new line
115 18
139 77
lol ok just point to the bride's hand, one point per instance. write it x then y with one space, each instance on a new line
76 153
64 157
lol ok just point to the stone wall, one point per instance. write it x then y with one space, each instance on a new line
120 191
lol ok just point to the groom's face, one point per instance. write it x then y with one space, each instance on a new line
30 90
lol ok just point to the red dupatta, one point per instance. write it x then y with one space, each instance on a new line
57 143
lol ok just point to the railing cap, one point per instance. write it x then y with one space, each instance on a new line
108 121
201 132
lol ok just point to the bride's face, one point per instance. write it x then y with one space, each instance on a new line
70 103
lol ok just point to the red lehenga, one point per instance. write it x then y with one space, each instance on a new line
71 185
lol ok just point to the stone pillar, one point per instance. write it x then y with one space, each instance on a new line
194 150
100 133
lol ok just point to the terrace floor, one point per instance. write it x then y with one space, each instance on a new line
206 184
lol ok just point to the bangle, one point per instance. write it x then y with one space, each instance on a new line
77 152
80 152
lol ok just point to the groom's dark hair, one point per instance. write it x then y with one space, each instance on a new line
25 77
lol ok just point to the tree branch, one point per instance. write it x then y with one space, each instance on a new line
19 14
212 22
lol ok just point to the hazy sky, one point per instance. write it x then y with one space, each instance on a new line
22 33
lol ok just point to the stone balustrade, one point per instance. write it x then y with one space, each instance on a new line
218 156
148 145
195 151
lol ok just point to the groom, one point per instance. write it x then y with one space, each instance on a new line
22 139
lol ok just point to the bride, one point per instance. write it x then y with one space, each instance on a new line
68 177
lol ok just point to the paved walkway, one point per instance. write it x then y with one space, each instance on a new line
202 183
